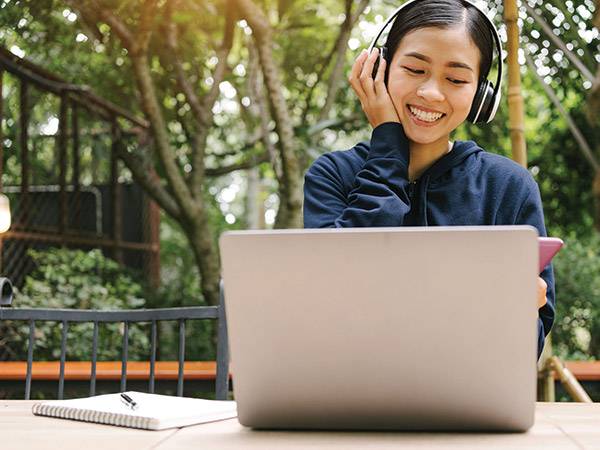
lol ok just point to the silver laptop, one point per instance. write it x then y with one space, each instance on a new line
383 329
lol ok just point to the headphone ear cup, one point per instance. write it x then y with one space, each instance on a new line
483 103
382 54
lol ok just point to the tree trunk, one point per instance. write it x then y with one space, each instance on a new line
205 251
290 181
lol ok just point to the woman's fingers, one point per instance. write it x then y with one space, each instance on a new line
366 76
356 74
372 93
542 287
379 81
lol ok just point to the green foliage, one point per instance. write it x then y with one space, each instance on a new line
78 280
180 286
564 176
576 333
304 36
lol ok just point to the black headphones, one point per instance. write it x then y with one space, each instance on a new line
487 98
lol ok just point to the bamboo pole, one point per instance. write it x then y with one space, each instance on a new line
546 389
569 381
515 97
516 119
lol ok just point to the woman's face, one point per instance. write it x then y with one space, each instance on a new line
432 82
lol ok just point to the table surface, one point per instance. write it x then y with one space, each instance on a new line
557 426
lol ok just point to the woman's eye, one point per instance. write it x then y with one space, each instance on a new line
452 80
415 71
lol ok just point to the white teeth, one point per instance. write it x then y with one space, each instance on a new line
425 116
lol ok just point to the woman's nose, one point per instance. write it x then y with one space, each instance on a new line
431 91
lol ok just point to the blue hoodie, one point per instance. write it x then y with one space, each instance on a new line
368 186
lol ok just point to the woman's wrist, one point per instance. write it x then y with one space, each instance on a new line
388 140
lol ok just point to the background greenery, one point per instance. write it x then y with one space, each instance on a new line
80 280
244 127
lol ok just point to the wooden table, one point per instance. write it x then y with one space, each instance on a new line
561 426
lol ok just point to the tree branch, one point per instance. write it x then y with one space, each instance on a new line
142 172
289 214
583 145
150 104
144 32
197 180
183 82
100 13
221 68
202 116
340 48
241 166
559 43
593 104
259 109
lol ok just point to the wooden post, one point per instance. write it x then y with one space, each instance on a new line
515 98
63 136
75 181
24 106
152 236
115 195
519 154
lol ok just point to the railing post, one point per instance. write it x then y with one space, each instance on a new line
181 357
29 359
124 356
222 379
63 356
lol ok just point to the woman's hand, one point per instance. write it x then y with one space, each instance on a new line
542 287
372 93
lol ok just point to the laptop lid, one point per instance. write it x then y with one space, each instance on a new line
405 328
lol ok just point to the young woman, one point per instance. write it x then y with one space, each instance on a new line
411 173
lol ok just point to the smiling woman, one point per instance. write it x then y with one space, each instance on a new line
432 78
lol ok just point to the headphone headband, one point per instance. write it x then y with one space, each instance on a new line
495 101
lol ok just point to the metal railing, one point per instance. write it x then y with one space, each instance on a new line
68 316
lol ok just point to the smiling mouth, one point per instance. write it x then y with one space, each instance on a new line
425 116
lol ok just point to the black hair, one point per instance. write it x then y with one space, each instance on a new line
444 14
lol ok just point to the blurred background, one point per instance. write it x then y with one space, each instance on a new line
136 132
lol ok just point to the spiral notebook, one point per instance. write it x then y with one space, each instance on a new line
140 410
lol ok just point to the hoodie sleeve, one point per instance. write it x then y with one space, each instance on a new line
531 213
378 197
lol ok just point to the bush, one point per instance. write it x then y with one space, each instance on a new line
576 334
76 279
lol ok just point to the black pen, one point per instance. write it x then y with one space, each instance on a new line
128 401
